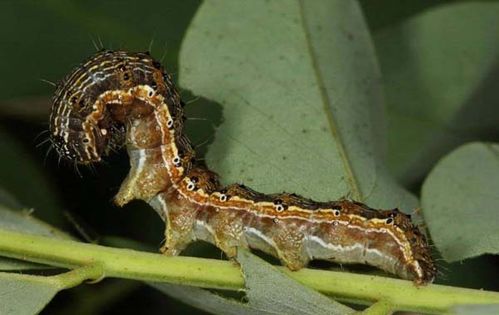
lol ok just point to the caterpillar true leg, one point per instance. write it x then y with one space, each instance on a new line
119 98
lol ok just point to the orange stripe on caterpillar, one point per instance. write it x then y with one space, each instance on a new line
116 97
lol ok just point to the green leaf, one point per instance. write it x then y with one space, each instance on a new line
8 264
268 291
23 294
460 201
271 290
492 309
23 221
204 299
16 191
7 200
440 70
28 294
301 97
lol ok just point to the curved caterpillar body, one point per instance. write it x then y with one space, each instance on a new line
117 97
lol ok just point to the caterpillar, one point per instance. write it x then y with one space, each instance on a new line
118 98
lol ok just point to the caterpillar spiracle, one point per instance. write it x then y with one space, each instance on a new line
117 97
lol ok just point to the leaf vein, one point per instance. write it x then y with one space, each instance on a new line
350 174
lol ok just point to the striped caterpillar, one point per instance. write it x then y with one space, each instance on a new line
116 98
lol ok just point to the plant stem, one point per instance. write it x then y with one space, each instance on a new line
61 281
378 308
209 273
70 279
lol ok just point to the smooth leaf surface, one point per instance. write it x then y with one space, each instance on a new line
440 70
7 264
271 290
29 294
205 300
301 97
491 309
268 291
24 294
23 221
460 202
8 201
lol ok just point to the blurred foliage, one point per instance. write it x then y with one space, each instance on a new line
438 60
467 178
43 40
441 84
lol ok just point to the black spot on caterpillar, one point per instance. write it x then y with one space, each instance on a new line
116 97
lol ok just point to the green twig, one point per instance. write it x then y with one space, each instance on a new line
62 281
379 308
70 279
209 273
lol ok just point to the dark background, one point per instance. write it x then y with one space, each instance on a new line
43 40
